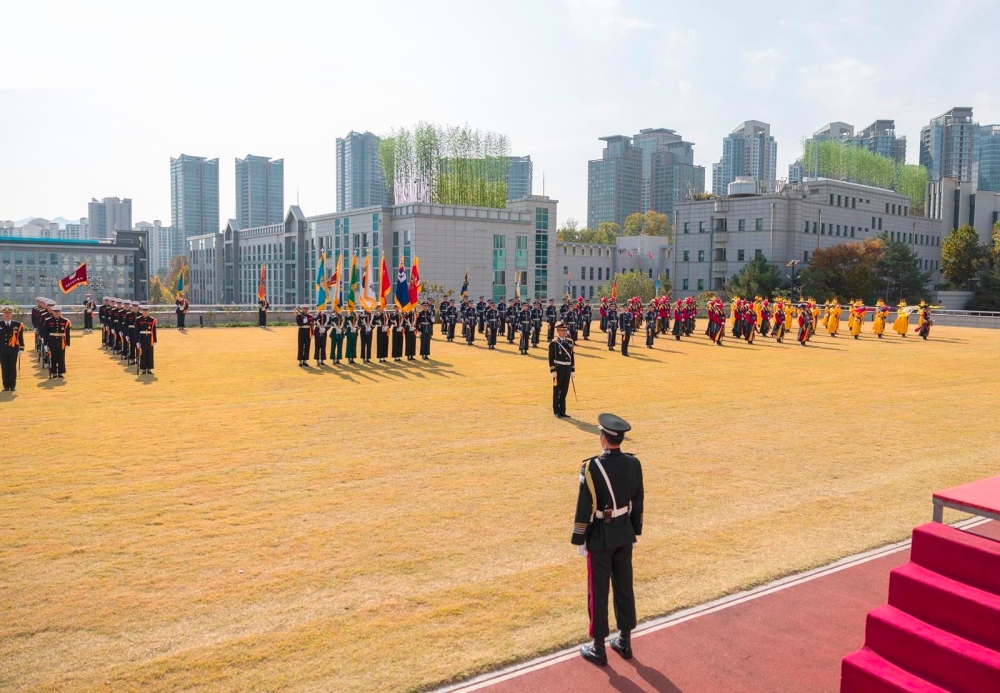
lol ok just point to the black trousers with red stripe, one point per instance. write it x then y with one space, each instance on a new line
614 566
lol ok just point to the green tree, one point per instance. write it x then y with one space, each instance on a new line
847 271
962 257
900 272
177 264
569 232
757 278
666 286
604 234
610 228
648 223
159 294
436 292
630 284
995 249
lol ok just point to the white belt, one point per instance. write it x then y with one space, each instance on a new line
145 332
56 334
618 512
562 363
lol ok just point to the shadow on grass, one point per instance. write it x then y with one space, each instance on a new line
146 379
582 425
52 383
7 396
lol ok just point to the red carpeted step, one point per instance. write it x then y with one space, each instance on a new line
959 555
865 672
965 611
931 653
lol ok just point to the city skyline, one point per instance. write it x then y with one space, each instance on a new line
657 65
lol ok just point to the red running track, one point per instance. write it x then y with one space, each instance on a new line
789 640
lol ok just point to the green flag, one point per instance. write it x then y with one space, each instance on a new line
352 290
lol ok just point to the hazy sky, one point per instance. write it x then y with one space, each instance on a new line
95 97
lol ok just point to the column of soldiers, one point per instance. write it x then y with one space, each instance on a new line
400 331
52 336
128 331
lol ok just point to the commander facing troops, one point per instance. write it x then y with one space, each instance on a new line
562 365
11 346
608 520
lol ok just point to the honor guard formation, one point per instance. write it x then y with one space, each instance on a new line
11 346
128 331
52 338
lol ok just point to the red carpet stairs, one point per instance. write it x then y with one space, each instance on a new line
941 628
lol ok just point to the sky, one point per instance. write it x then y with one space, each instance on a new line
96 97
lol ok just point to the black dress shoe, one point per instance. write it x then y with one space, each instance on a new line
591 654
621 647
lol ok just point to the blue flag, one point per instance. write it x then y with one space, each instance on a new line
321 283
657 287
465 285
402 289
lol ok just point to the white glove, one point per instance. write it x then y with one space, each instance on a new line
581 551
552 373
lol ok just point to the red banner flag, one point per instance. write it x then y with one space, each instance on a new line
415 283
614 289
74 279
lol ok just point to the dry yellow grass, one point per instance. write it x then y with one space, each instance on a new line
241 523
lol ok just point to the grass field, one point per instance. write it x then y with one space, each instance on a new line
238 522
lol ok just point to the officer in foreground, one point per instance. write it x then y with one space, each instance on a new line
608 520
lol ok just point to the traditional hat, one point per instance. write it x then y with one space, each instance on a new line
609 423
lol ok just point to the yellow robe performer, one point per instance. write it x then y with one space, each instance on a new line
881 316
833 319
857 318
902 324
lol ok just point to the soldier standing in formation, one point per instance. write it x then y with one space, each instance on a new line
351 328
550 318
608 520
627 323
586 316
102 315
321 327
562 365
337 339
536 323
262 306
651 317
182 309
88 313
132 331
11 346
304 321
425 325
57 329
367 330
524 325
481 314
410 335
383 324
513 316
146 329
492 317
611 324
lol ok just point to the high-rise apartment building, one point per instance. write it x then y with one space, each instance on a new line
519 175
668 170
359 173
109 215
880 138
260 191
987 166
164 244
749 150
948 145
194 195
614 182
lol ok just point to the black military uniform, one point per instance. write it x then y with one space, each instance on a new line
131 331
513 315
627 323
321 328
57 340
11 345
469 323
452 320
650 326
492 318
481 314
367 329
181 310
562 365
88 313
146 327
502 317
608 520
304 321
425 326
550 318
612 327
586 316
536 323
382 324
524 325
262 305
398 327
102 316
410 337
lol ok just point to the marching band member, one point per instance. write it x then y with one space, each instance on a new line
880 318
858 313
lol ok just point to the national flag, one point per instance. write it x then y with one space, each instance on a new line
568 289
650 255
415 283
614 289
321 294
179 287
352 287
465 285
262 284
629 253
384 283
402 290
334 284
74 279
367 299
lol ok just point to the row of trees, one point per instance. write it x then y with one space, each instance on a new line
648 223
872 269
970 265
